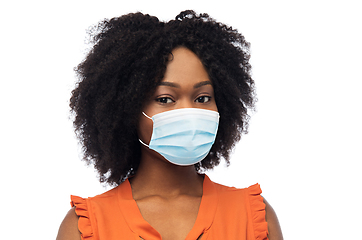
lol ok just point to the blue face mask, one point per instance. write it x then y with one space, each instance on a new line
184 136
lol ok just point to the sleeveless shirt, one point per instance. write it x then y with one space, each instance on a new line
224 213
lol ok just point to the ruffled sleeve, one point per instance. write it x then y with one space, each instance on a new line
84 223
258 212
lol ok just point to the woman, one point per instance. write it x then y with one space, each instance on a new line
156 103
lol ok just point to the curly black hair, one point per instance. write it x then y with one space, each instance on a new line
122 70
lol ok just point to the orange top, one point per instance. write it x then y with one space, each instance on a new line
224 213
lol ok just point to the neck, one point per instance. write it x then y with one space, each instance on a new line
161 178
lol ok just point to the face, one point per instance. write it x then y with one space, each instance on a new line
186 85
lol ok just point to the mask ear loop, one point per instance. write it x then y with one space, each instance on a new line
146 115
144 144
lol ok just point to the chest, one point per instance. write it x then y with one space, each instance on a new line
172 218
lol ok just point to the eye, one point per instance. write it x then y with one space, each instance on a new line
164 100
203 99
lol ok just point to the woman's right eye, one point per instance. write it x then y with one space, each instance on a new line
164 100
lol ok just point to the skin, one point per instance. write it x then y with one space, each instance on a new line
68 230
168 195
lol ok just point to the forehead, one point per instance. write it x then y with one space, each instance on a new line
185 66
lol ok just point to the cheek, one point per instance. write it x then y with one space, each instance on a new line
213 106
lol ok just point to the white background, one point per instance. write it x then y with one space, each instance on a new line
304 141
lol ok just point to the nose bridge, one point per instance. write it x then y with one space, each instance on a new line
185 103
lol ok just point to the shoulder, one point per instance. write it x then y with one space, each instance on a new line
71 226
275 232
261 210
68 229
249 194
104 198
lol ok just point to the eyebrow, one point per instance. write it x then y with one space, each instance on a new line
170 84
176 85
203 83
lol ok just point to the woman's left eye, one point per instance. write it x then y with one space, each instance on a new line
203 99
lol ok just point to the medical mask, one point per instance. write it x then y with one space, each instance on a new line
184 136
